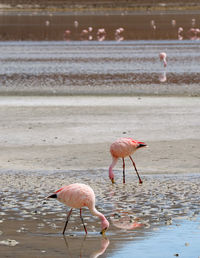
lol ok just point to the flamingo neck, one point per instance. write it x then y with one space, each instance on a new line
111 174
103 219
165 62
96 213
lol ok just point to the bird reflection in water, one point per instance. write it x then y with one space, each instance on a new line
104 245
163 59
124 219
163 77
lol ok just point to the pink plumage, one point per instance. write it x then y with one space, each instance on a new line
122 148
78 196
163 58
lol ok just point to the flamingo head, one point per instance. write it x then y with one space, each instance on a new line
141 145
104 225
52 196
112 180
111 175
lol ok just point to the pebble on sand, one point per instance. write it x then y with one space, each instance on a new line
9 242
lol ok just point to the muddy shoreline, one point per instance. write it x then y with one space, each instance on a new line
81 7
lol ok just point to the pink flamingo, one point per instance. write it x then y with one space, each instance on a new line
76 24
163 57
122 148
67 34
173 22
153 24
101 34
78 196
180 33
118 34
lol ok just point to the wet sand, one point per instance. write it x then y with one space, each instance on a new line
75 132
161 205
47 142
130 68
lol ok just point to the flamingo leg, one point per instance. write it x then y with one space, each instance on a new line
140 181
68 216
123 170
83 222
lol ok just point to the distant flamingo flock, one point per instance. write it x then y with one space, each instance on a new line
192 33
90 34
100 34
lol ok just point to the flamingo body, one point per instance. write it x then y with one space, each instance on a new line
163 58
122 148
78 196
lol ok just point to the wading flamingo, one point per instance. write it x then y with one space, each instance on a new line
122 148
163 57
78 196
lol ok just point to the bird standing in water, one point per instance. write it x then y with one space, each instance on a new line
122 148
163 57
78 196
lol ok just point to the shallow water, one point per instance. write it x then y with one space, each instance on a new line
131 67
137 26
181 239
163 213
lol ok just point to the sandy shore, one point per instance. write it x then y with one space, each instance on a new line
74 133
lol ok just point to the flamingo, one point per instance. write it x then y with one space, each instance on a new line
76 24
173 22
122 148
163 57
153 24
78 196
180 33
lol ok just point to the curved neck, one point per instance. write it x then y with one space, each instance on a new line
111 174
104 221
95 212
165 62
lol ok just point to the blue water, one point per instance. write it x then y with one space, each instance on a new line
182 239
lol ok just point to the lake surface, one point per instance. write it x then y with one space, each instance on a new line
75 27
128 67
